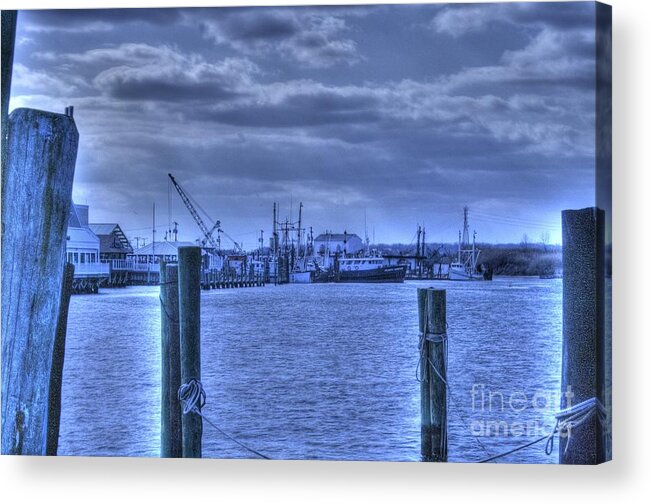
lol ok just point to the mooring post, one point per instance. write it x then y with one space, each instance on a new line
58 358
36 200
189 318
8 35
171 435
424 378
436 338
583 369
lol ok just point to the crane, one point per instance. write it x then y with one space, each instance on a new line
195 215
207 233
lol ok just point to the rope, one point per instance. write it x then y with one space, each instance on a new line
566 420
193 397
570 418
167 314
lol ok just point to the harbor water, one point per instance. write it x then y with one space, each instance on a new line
323 371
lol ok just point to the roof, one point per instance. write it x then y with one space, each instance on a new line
163 248
111 237
336 237
81 237
73 218
102 229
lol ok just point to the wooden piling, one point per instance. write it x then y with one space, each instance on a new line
583 369
433 377
425 414
189 318
36 200
171 435
436 338
58 358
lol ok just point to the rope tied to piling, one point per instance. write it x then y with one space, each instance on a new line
193 397
167 313
573 417
566 420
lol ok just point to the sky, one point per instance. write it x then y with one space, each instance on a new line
393 116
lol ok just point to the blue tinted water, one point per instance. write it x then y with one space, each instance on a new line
325 371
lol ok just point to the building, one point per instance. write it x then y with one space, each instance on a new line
154 253
82 245
335 243
113 243
83 250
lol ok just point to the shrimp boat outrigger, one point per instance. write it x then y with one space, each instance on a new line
465 267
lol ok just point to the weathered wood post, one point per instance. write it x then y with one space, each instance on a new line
36 200
189 317
583 370
8 34
58 358
436 338
424 378
171 435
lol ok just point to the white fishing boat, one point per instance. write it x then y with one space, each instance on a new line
465 267
302 277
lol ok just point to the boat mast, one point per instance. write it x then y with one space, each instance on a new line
366 240
300 214
466 233
459 249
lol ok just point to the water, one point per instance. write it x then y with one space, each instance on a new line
323 371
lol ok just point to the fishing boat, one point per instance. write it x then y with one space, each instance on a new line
369 269
465 267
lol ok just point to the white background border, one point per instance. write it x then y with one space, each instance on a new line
111 480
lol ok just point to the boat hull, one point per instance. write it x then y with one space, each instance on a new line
455 274
300 277
385 274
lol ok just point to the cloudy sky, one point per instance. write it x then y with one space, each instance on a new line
402 113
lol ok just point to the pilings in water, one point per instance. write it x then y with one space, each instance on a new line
190 334
224 280
36 200
584 340
433 374
171 435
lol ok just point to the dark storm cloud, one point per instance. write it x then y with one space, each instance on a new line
313 38
88 20
160 73
252 26
318 107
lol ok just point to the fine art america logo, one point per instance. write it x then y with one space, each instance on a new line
515 414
